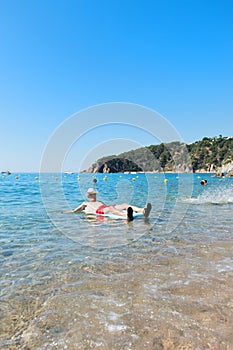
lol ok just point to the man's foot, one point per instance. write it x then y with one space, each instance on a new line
147 210
130 214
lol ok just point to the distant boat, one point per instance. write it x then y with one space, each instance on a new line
6 172
69 172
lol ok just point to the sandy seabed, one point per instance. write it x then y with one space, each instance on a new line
166 298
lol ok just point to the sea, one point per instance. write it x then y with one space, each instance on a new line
72 281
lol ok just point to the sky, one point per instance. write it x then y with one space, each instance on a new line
62 57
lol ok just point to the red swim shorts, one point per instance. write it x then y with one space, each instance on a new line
100 209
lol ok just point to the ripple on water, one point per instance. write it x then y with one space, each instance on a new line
81 290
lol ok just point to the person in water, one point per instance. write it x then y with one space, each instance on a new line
96 207
203 182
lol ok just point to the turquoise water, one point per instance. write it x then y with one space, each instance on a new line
69 281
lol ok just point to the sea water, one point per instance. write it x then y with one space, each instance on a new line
70 281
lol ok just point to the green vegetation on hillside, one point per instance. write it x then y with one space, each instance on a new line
217 151
205 155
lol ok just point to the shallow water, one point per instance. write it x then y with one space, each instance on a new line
72 282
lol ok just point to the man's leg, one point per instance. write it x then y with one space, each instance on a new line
113 210
125 206
127 215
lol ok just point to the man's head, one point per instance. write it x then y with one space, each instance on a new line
91 194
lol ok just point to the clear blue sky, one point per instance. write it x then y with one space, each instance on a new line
59 57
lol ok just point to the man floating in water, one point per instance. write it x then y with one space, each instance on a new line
99 208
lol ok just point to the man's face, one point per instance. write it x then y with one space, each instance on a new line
92 197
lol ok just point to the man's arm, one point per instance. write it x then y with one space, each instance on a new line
79 208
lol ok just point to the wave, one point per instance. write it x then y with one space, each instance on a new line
213 196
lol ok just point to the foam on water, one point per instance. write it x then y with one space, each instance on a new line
221 195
